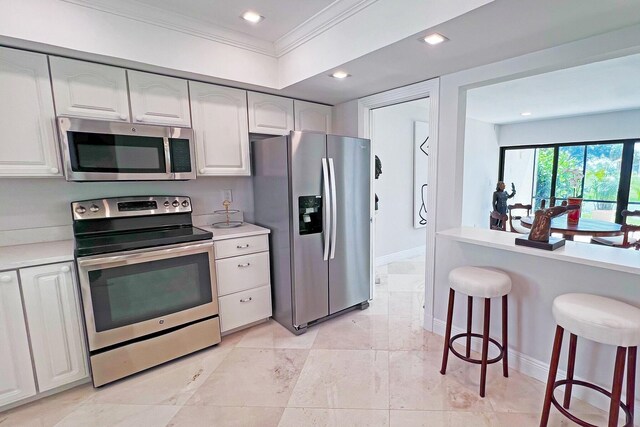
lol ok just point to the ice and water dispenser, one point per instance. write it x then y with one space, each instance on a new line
310 214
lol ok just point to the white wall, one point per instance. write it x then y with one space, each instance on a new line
392 142
481 156
45 203
592 127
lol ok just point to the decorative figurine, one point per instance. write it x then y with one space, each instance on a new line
500 198
540 234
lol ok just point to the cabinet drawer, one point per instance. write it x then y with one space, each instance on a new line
244 307
243 272
241 246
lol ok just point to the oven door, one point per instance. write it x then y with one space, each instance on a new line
132 294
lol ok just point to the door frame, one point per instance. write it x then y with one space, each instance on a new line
427 89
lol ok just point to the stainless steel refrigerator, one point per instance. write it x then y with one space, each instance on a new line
313 191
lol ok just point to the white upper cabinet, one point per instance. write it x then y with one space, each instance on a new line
28 146
51 301
158 99
312 117
16 374
270 114
88 90
221 131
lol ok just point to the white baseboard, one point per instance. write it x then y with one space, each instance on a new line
402 255
536 369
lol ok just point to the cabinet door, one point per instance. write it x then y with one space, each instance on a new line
220 129
16 373
52 304
158 99
270 114
28 144
88 90
312 117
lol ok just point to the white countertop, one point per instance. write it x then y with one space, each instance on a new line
580 253
20 256
245 230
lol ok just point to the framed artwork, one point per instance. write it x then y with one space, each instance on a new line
420 172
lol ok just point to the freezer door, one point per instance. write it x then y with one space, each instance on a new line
310 270
349 263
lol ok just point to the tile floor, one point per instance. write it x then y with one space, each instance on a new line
376 367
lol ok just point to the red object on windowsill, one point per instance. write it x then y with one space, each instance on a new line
573 216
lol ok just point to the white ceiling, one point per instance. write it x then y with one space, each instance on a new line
281 16
593 88
487 34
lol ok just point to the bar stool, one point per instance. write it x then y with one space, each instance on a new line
480 283
605 321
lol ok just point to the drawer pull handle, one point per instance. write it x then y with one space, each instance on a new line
246 299
244 265
65 269
242 246
5 279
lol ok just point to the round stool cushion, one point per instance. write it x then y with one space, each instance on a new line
480 282
599 319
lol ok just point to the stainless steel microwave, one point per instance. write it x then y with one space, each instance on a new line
96 150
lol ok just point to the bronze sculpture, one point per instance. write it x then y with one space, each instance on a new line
539 236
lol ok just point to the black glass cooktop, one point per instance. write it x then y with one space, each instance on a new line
125 241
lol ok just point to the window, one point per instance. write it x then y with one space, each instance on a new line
610 171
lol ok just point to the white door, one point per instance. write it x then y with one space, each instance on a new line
158 99
312 117
52 304
220 128
28 146
88 90
270 114
16 373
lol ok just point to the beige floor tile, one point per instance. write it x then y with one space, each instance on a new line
555 420
382 269
273 335
314 417
102 415
406 267
405 282
170 384
378 305
409 334
252 377
406 304
343 379
226 416
442 419
416 383
354 331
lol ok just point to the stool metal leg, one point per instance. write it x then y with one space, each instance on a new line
631 379
553 370
469 315
447 334
571 363
485 346
616 392
505 335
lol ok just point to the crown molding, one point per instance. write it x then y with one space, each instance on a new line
153 15
322 21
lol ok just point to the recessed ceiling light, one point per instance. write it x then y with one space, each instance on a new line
525 113
434 39
251 16
340 75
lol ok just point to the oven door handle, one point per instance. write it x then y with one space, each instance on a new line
143 255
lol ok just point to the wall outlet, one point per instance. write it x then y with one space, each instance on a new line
227 195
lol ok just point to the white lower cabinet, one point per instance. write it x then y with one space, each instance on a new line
52 304
16 374
244 281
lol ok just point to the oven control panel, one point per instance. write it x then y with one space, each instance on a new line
115 207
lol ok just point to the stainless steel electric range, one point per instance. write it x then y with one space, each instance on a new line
147 282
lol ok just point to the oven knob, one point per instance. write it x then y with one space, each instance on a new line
167 204
175 203
81 210
185 203
94 208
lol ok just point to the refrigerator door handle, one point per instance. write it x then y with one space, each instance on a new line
326 201
334 208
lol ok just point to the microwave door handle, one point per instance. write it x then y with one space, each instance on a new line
167 155
325 208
